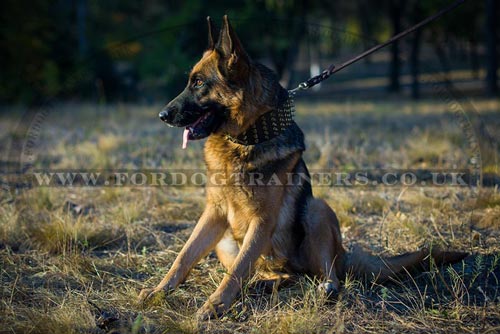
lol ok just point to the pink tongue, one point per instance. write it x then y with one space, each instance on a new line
185 139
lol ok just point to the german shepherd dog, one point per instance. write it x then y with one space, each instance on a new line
240 105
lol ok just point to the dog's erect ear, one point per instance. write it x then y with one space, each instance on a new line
212 34
229 46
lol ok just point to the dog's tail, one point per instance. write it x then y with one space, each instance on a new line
364 265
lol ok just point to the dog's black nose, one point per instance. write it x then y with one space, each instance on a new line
163 115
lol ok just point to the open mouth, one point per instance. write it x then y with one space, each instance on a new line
201 128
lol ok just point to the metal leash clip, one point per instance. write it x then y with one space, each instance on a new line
314 80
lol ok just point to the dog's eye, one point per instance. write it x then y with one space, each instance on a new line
198 83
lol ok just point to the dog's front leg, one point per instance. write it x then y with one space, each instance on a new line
206 234
256 241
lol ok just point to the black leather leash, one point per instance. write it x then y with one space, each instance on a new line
332 69
275 122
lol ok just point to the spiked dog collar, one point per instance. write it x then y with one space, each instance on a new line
269 125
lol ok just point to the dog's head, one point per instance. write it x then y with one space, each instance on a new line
213 100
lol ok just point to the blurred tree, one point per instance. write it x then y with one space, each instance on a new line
292 17
274 30
416 40
369 15
491 45
131 50
81 15
462 23
36 50
396 8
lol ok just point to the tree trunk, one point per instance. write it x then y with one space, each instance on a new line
415 54
444 61
363 9
81 21
474 58
415 64
284 58
491 45
395 17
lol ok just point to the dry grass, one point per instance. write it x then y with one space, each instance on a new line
73 259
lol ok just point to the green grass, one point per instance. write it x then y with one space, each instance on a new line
71 271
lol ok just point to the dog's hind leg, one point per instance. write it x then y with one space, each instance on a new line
322 246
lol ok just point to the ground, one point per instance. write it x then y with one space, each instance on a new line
73 259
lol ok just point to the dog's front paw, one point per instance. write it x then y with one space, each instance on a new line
329 289
211 310
151 296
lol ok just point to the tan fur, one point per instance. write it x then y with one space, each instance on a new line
252 226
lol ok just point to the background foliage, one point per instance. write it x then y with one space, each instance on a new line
131 50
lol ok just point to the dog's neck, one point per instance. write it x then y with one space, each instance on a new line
269 125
